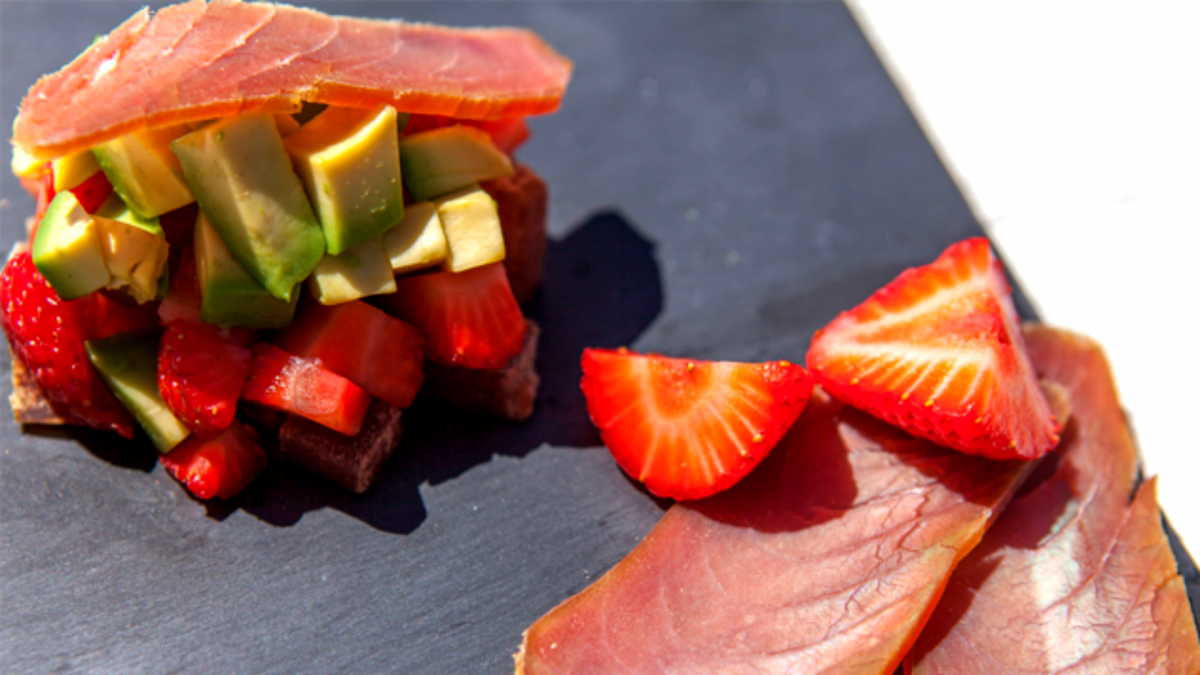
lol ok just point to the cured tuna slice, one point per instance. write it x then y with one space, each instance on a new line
200 60
828 558
1073 578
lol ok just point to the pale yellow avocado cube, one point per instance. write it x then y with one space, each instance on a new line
361 270
472 228
417 241
68 250
25 165
349 162
134 256
73 169
144 171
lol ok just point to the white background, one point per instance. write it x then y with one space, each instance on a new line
1073 129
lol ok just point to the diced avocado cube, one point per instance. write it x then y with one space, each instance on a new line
144 171
128 364
243 179
349 160
73 169
360 271
114 208
136 258
451 158
68 249
472 227
417 241
229 296
25 165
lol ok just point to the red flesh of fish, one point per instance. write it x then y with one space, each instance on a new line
1072 577
197 61
828 558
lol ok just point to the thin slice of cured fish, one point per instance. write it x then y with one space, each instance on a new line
200 60
828 558
1073 577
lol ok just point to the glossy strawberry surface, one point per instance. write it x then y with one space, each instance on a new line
939 353
47 334
200 375
221 466
687 428
470 319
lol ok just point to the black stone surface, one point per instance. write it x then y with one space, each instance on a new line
724 177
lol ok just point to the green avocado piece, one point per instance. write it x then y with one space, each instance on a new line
128 364
114 208
243 179
69 249
451 158
349 161
144 171
229 296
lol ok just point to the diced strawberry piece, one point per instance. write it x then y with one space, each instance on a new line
688 429
182 302
939 353
299 386
103 316
93 192
470 319
200 375
221 466
47 334
507 133
379 353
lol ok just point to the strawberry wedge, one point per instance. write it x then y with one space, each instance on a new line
939 353
685 428
198 60
301 387
200 375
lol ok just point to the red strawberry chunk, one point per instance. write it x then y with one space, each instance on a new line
221 466
200 375
47 334
103 316
688 429
301 387
93 192
939 353
379 353
470 319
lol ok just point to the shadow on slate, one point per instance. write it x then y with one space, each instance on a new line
601 288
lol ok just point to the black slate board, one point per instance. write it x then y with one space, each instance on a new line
725 178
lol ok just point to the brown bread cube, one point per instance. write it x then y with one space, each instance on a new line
521 204
352 462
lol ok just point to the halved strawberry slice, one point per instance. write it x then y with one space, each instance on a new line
200 375
379 353
939 353
688 429
470 319
217 467
47 334
301 387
